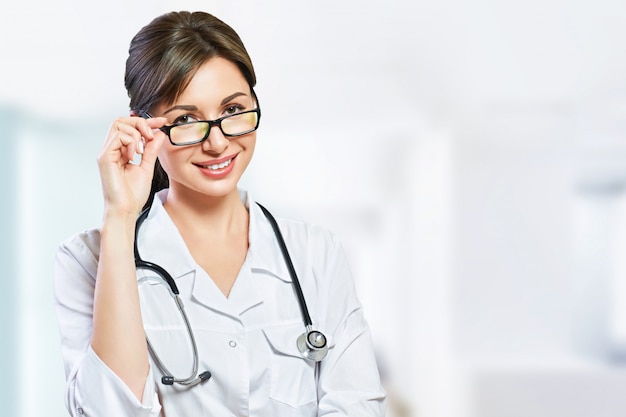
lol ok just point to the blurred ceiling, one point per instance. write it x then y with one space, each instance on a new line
448 60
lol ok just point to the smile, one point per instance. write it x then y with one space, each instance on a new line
218 166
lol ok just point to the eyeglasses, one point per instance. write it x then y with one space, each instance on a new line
197 131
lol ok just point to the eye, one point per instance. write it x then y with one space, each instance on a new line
233 109
184 119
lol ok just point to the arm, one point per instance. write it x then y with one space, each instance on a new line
118 336
93 389
96 290
349 382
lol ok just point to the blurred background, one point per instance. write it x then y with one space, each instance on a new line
470 154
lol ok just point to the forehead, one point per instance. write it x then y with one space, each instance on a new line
215 78
213 81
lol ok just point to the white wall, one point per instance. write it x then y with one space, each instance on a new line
466 152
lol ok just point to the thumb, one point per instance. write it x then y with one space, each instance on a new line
151 150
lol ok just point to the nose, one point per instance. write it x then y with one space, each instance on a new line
216 142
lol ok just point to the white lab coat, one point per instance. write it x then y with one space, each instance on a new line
247 341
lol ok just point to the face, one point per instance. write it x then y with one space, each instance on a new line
211 168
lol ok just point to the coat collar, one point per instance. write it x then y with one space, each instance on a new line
264 251
160 242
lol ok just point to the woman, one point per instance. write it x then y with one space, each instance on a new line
190 83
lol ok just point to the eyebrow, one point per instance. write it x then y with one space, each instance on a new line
180 107
230 97
194 108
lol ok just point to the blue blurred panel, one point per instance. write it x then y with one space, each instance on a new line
55 191
8 263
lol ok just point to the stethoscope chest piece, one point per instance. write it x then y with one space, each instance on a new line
313 345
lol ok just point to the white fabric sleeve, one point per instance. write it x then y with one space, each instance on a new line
349 382
92 388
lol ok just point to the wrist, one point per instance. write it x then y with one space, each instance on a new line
125 213
119 220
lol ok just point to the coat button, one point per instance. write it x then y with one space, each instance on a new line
232 343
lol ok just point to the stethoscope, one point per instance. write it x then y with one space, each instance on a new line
312 344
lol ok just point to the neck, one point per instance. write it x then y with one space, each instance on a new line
214 216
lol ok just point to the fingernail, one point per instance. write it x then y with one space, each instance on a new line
141 146
136 159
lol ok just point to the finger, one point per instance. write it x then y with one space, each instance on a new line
128 136
151 151
156 142
156 122
139 130
118 129
148 127
129 145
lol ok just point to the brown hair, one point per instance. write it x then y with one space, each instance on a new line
164 55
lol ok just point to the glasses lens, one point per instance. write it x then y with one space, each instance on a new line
238 124
189 132
194 132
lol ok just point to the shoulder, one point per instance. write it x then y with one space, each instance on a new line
81 250
316 240
308 231
294 231
303 239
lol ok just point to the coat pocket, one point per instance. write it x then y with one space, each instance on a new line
292 377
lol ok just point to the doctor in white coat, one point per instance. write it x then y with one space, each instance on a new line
194 116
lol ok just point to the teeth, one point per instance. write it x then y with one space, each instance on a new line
218 166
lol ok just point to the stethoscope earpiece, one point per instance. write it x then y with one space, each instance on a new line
312 345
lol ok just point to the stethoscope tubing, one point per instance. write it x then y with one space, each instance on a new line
312 351
292 271
190 380
141 264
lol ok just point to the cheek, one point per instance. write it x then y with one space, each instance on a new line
249 144
170 157
163 157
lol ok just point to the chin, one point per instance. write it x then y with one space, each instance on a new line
218 190
202 187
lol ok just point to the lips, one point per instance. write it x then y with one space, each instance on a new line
217 168
216 165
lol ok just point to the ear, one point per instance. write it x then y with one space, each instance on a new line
134 113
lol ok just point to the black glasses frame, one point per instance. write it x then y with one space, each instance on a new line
217 122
